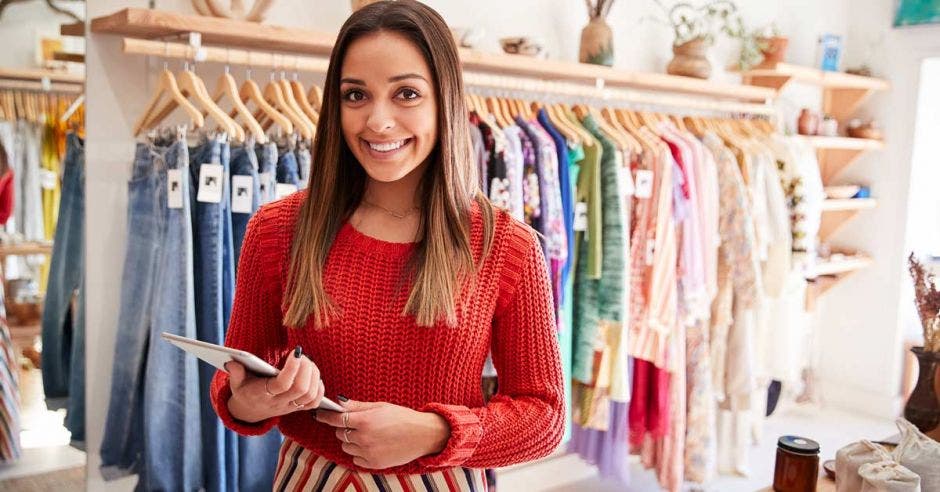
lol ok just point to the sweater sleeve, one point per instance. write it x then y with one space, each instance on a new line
525 419
255 324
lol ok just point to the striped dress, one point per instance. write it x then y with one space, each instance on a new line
299 469
9 393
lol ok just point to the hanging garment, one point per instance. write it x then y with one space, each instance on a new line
480 156
246 192
6 197
29 142
49 177
287 172
304 164
153 424
515 169
63 317
10 449
267 172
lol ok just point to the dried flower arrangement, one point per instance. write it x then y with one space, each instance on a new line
927 298
599 9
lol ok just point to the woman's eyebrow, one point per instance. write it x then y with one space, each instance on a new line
397 78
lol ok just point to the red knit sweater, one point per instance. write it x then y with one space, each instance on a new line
373 353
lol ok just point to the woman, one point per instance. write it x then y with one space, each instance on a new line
396 277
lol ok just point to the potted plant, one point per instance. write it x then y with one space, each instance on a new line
597 40
923 407
772 46
694 29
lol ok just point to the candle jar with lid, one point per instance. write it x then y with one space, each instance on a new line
797 465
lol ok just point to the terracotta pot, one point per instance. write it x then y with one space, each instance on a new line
808 124
690 60
597 43
775 52
923 407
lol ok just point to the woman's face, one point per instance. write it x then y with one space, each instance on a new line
388 109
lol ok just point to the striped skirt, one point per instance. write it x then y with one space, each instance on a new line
299 469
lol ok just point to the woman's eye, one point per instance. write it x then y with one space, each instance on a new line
409 94
353 95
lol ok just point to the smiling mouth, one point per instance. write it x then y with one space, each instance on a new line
386 149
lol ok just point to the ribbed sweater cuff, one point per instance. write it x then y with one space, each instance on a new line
220 402
465 434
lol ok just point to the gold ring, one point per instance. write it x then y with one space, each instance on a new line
346 420
346 435
294 403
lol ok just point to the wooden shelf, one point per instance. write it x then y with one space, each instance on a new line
68 57
837 213
784 73
30 74
76 29
846 143
838 205
840 267
837 153
31 248
843 93
152 24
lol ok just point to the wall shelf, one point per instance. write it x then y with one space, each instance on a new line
152 24
837 153
837 213
29 74
843 93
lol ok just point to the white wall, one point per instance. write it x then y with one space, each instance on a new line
862 320
23 24
119 86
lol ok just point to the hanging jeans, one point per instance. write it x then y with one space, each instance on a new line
214 279
257 455
304 165
63 317
244 163
287 168
153 425
267 173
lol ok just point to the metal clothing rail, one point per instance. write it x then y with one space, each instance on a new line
477 82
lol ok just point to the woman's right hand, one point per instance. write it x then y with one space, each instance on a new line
296 387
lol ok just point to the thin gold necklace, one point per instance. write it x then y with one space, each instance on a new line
397 215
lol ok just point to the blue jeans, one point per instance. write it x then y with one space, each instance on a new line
287 168
244 163
267 172
63 323
153 425
214 280
304 163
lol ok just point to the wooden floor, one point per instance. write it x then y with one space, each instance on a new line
62 480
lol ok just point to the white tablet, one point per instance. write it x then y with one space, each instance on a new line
218 355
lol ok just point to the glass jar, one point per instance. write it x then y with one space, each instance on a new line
797 466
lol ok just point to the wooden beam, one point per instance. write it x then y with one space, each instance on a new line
76 29
68 57
842 103
833 161
151 24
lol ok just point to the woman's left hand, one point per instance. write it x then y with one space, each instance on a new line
383 435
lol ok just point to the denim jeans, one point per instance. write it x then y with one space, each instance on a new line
153 424
304 163
267 171
63 323
244 163
287 168
214 280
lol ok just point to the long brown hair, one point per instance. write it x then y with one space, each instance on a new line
443 258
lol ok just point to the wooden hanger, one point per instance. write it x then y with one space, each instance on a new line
315 96
496 109
570 114
612 133
250 92
563 129
167 86
226 87
274 95
508 114
193 86
611 118
288 92
301 97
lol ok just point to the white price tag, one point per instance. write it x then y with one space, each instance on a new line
266 183
174 188
580 216
210 183
242 191
48 179
626 181
644 183
285 189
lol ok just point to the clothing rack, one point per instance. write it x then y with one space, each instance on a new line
477 81
41 81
